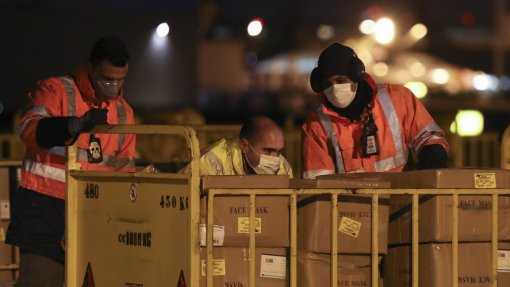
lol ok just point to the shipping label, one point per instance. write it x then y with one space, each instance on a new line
503 260
5 210
243 225
485 180
349 226
273 266
218 234
218 267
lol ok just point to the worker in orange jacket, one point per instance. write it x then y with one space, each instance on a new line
361 126
59 110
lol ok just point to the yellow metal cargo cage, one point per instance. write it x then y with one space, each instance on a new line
133 228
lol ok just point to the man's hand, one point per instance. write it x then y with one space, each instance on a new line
88 121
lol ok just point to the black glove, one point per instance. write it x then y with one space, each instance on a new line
88 121
433 156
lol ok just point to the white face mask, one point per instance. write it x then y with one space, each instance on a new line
340 95
267 164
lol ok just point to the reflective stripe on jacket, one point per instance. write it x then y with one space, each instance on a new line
44 169
332 143
224 157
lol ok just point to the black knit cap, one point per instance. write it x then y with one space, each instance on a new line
335 60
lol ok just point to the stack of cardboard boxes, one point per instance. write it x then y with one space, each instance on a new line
354 233
435 230
9 255
231 256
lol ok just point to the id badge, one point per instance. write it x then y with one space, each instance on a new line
95 151
370 144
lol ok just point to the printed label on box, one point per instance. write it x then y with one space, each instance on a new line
273 266
504 260
243 225
349 226
5 210
218 267
218 234
485 180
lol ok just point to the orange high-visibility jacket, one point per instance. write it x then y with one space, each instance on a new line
44 169
332 143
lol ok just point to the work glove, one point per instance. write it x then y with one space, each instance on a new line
88 121
433 156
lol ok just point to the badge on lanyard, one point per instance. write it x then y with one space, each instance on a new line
369 140
95 151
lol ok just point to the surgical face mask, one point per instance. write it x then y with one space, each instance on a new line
340 95
108 89
267 164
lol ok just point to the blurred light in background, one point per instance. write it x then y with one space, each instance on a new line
418 31
384 31
419 89
160 37
485 82
255 27
380 69
440 76
251 59
325 32
367 27
163 30
416 68
504 83
468 123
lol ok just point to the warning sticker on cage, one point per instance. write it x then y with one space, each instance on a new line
243 225
218 234
273 266
218 266
485 180
503 260
5 210
349 226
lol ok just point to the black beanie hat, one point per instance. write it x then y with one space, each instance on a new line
335 60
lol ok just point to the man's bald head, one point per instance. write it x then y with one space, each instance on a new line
257 127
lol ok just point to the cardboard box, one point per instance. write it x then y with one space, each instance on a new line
389 177
435 213
435 265
454 178
333 182
244 181
231 267
354 223
231 221
314 269
8 254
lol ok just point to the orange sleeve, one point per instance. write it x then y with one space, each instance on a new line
315 148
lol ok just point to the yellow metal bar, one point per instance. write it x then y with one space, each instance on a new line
436 191
71 240
252 240
209 244
375 239
334 240
455 240
293 240
8 163
494 242
415 238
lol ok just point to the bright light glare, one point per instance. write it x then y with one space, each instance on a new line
419 89
380 69
162 30
325 32
367 27
418 31
384 31
469 122
484 82
255 27
440 76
